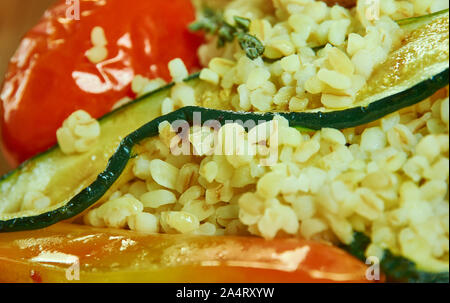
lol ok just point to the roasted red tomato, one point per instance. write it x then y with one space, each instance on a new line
74 253
50 77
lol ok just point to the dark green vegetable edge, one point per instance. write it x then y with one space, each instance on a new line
356 116
396 268
419 19
314 121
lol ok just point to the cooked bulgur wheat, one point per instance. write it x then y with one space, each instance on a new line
79 133
98 52
388 179
297 77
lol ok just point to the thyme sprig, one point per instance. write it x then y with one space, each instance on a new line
213 23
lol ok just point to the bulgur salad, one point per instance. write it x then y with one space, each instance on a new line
325 121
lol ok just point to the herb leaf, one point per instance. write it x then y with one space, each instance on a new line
242 23
208 23
213 23
226 33
251 45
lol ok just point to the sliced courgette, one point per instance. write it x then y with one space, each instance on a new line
411 73
72 190
423 54
61 177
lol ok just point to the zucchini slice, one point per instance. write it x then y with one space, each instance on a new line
424 53
418 67
415 71
59 176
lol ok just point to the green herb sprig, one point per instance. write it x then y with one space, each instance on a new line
213 23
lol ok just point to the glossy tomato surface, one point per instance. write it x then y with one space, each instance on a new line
74 253
50 77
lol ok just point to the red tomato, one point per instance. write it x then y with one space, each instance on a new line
50 77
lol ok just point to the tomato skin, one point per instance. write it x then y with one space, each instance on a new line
137 257
49 77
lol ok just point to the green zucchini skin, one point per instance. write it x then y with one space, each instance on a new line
396 268
313 121
356 116
191 77
420 19
343 119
